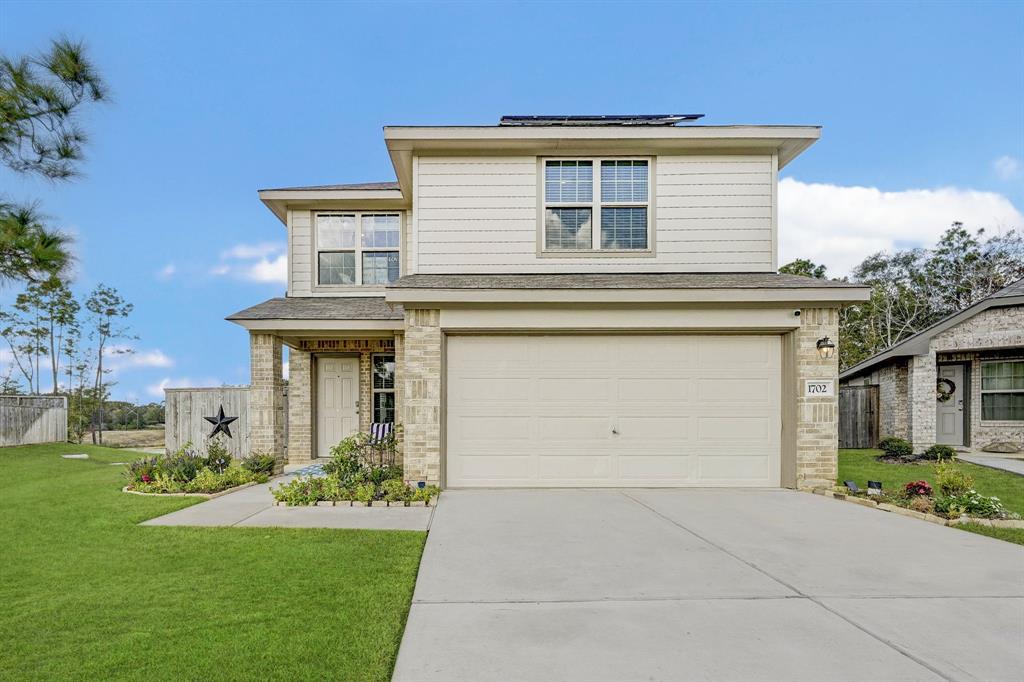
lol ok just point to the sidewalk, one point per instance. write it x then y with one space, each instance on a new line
1013 464
254 506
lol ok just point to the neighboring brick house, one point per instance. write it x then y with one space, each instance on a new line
959 382
567 301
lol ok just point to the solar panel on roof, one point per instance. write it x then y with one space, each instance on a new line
602 119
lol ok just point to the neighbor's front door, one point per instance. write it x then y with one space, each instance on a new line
337 404
950 392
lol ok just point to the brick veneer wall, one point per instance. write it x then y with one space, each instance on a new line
420 380
893 400
300 406
266 396
817 427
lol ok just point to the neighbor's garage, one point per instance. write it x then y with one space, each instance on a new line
613 410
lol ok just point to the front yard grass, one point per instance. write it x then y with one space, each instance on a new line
861 465
89 594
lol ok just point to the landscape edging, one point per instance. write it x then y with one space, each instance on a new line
208 496
931 518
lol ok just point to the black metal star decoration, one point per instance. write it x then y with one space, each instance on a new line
220 423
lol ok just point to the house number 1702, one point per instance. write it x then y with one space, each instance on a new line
819 388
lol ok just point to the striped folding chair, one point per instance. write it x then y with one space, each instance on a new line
380 432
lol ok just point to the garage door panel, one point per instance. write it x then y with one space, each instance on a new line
728 468
718 430
656 469
571 387
493 427
655 389
736 351
639 430
577 467
688 410
735 390
492 389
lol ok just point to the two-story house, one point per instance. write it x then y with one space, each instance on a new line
556 301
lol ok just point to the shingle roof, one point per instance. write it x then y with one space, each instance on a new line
322 308
686 280
1015 289
352 186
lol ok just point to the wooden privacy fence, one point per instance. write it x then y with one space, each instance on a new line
858 416
26 419
184 409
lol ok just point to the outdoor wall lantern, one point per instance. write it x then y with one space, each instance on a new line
826 349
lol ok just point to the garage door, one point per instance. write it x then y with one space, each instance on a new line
605 410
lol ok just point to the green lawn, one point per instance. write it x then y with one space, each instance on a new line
89 594
861 465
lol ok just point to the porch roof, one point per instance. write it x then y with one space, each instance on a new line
321 312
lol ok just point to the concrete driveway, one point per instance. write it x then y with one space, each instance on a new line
706 584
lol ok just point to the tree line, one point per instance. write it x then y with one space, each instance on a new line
912 289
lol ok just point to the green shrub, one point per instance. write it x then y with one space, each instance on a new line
181 467
896 447
217 456
301 491
951 480
426 494
259 463
143 470
365 493
344 465
394 490
939 453
972 503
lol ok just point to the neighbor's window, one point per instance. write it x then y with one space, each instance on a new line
384 388
1002 390
603 211
357 248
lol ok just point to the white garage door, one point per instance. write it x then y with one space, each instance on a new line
605 410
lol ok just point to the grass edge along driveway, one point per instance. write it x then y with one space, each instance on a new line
861 465
89 594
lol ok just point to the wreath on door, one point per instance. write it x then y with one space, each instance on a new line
944 390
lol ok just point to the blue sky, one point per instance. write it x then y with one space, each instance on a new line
922 107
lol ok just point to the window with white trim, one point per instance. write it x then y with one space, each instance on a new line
357 248
604 211
383 389
1002 390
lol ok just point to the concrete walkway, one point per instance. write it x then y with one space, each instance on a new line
254 506
706 584
1014 465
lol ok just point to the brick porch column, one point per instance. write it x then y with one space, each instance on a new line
266 396
817 428
921 389
420 381
300 406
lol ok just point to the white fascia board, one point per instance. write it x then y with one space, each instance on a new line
278 201
293 326
828 296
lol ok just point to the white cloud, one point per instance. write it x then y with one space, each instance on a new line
1007 167
167 271
839 226
122 357
157 390
263 262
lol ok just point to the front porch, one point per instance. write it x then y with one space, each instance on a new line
336 386
344 358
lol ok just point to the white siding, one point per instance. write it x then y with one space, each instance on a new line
300 248
480 214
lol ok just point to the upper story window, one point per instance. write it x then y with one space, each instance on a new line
357 248
1002 390
606 210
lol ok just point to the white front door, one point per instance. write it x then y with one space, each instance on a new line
607 410
949 405
337 404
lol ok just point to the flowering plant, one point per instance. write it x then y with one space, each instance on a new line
916 488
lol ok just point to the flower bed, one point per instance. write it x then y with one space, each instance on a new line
952 500
362 472
188 472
